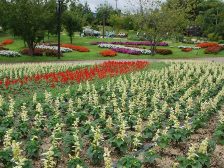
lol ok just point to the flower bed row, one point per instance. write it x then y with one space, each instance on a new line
213 50
108 53
8 53
90 124
76 48
110 68
45 47
207 44
7 42
125 50
41 52
144 43
192 47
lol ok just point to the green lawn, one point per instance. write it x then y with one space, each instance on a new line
94 51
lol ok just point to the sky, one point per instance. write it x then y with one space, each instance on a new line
122 4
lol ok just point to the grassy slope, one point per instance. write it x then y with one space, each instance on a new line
94 51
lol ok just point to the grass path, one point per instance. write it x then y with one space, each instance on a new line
91 62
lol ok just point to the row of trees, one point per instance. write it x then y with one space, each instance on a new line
32 19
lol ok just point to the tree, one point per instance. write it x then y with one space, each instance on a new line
50 21
104 12
211 19
25 19
72 23
160 21
116 21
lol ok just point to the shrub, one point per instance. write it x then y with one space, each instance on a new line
52 53
186 49
76 48
37 52
207 44
221 41
213 50
108 53
7 42
164 51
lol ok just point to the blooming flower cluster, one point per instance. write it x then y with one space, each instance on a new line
125 50
137 43
192 47
45 47
110 68
7 42
91 122
8 53
76 48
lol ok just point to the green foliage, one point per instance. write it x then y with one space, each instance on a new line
32 148
201 161
74 162
129 162
95 153
219 134
150 157
120 145
211 20
72 23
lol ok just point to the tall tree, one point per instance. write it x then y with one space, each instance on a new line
211 19
25 19
50 21
103 13
72 23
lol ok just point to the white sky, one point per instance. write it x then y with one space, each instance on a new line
122 4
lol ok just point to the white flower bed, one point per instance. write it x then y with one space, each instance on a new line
8 53
113 46
63 49
195 48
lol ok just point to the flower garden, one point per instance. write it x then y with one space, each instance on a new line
115 114
90 49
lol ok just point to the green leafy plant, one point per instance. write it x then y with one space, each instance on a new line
150 157
129 162
119 144
74 162
32 147
219 134
95 153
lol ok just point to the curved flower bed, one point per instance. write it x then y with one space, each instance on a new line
207 44
108 53
106 69
144 43
7 42
8 53
76 48
45 47
126 50
213 50
185 47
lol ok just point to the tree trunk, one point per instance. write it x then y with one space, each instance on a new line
31 48
71 39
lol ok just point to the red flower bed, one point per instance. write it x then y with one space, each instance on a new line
108 53
106 69
213 50
7 42
186 49
76 48
207 44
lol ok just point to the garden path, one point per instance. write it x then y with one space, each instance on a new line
90 62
